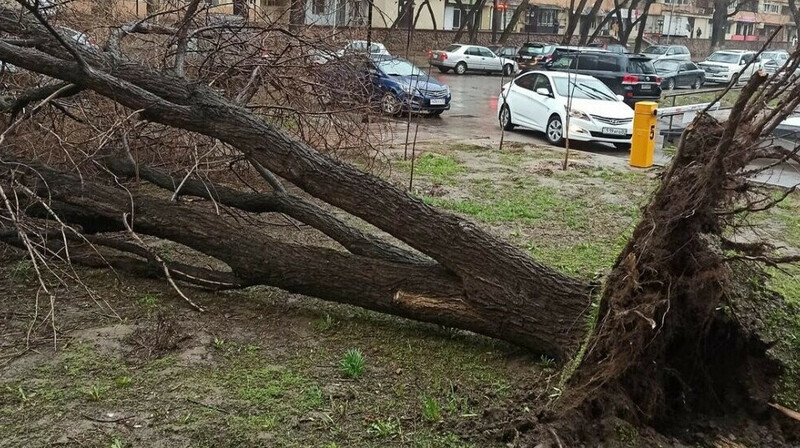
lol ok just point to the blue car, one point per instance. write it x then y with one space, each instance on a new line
400 86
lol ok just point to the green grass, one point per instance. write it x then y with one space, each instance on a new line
441 169
353 363
430 409
385 428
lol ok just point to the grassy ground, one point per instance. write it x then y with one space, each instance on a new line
265 368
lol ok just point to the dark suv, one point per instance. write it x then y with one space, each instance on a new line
630 75
534 55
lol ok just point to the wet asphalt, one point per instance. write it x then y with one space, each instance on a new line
473 115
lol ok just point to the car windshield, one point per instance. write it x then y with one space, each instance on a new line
725 58
666 66
774 56
452 48
535 49
399 67
656 49
590 89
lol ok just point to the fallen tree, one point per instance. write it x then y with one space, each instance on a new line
661 343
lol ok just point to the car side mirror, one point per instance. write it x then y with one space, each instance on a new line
742 62
620 97
544 92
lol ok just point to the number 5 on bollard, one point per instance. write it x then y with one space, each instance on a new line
644 134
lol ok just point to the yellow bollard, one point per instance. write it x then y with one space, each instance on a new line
644 134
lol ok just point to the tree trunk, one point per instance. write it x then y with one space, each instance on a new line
548 308
466 20
523 8
240 8
642 25
586 24
719 21
574 17
475 18
297 15
151 7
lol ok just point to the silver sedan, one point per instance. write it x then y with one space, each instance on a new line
463 58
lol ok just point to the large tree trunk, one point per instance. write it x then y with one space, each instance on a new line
508 294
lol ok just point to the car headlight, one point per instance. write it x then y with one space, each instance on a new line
574 113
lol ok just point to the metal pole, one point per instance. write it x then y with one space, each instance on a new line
671 18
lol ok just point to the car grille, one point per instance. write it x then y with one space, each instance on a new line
433 93
612 121
614 136
710 69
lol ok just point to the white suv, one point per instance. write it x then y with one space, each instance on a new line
722 65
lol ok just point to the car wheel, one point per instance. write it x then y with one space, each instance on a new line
508 70
554 132
697 84
505 118
461 68
623 146
390 105
444 69
670 84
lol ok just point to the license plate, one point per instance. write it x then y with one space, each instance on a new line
437 102
614 131
527 57
645 87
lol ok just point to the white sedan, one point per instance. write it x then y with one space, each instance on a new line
539 101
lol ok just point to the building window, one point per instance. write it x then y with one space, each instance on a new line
318 7
456 18
744 29
772 8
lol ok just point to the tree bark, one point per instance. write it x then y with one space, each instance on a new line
719 20
642 25
521 9
586 25
574 17
423 292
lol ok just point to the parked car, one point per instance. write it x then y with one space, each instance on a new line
676 73
400 86
613 48
722 65
538 100
772 61
632 76
656 52
463 58
322 56
535 56
503 52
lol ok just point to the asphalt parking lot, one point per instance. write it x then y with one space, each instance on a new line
473 114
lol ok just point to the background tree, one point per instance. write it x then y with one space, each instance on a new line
574 16
521 10
722 11
586 24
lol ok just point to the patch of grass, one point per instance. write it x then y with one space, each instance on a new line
438 168
150 300
95 392
787 213
353 363
123 381
21 271
468 147
325 323
430 409
583 258
386 429
116 442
